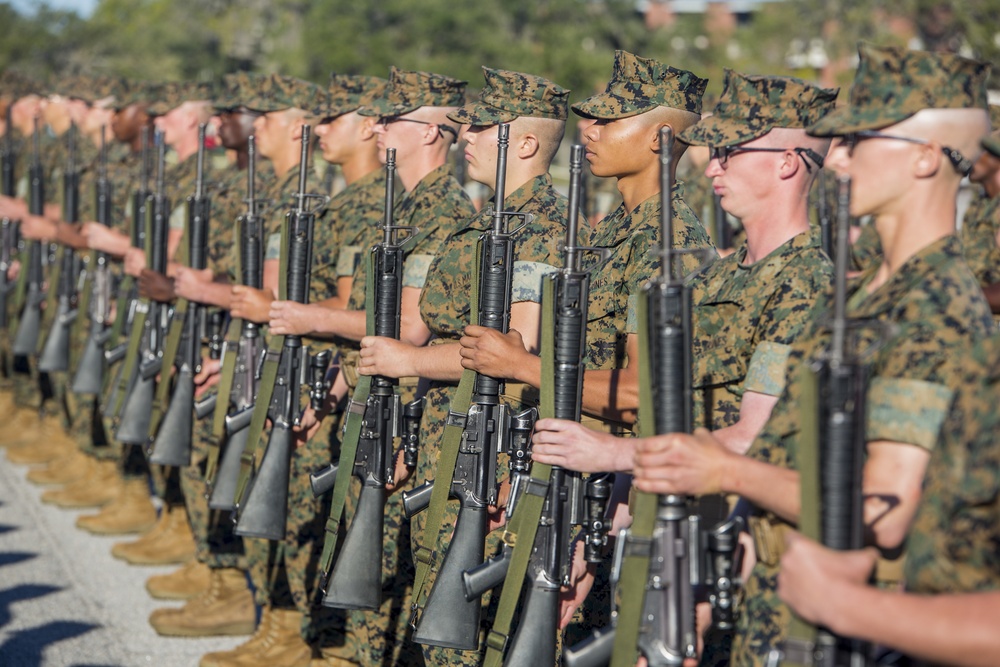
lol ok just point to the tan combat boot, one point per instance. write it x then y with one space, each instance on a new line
284 647
130 512
63 470
16 426
170 542
184 583
226 608
97 489
229 658
48 443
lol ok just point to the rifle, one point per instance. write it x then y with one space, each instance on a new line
723 232
132 311
262 489
552 500
32 288
89 376
832 461
375 419
823 213
136 415
242 358
8 227
667 554
444 617
172 444
55 352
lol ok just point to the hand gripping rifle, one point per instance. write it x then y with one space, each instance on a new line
537 544
137 409
8 227
262 489
131 310
831 460
473 440
666 555
32 289
242 357
172 444
375 419
89 377
55 352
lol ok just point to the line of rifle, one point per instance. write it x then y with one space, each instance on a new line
833 432
242 359
8 227
31 288
262 490
54 356
473 439
825 219
137 409
131 311
545 506
171 445
97 293
376 417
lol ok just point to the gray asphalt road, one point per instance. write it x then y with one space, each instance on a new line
64 601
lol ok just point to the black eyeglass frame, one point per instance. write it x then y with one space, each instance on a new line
723 153
961 163
385 121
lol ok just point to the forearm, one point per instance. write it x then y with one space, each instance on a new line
117 244
348 324
953 629
437 362
768 487
216 294
68 234
611 395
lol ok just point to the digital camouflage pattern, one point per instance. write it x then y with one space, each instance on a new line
745 320
980 226
446 308
952 544
175 93
350 92
751 106
923 318
408 91
277 92
633 237
893 83
866 251
508 95
640 84
236 88
14 85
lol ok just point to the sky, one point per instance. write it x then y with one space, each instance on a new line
82 7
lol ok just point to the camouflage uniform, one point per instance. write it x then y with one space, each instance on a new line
746 317
952 544
929 310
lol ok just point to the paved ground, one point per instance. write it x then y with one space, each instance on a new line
64 601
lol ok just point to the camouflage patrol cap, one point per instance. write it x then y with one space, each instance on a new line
350 92
14 84
508 95
91 88
751 106
277 92
138 92
236 89
408 91
893 83
175 93
638 85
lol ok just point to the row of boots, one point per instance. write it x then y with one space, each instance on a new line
217 601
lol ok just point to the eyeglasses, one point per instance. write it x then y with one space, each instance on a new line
961 164
386 121
723 153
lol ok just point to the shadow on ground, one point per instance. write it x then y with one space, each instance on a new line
25 647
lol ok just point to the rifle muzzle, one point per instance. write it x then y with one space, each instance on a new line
264 508
356 582
172 445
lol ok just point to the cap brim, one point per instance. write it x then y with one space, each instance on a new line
992 144
605 106
721 131
476 113
848 119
